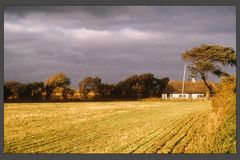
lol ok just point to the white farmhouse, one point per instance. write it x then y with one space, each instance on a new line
192 90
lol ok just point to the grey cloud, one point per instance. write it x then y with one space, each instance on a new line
139 16
110 42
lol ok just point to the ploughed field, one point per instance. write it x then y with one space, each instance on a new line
104 127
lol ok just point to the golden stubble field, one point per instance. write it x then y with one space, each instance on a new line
104 127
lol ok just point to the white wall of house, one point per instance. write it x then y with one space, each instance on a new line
197 96
175 95
184 96
164 96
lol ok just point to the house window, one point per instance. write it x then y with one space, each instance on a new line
182 96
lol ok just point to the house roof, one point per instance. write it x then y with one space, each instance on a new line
189 87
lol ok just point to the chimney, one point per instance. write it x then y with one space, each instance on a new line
193 80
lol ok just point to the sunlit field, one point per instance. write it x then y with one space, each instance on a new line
104 127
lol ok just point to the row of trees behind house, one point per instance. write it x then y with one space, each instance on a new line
201 60
58 87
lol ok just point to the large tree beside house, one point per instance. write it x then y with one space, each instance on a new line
206 59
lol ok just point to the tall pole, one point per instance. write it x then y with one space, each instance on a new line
184 72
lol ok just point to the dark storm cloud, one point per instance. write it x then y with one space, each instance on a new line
110 42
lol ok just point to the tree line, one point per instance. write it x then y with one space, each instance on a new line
202 60
58 87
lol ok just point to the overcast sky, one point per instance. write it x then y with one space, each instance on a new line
110 42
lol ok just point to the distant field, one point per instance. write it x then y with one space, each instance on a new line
103 127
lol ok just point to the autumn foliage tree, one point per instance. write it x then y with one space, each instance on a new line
23 91
12 89
7 92
140 86
134 87
57 83
206 59
37 90
33 91
90 88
